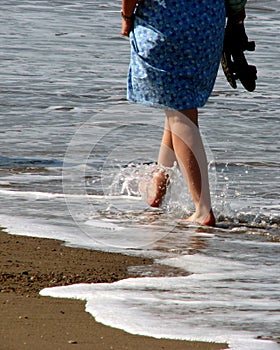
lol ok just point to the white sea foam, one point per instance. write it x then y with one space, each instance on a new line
38 194
31 194
171 308
221 300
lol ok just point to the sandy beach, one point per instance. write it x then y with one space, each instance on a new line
29 321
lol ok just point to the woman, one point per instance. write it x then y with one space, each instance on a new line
176 47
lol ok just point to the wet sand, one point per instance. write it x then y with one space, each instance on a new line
29 321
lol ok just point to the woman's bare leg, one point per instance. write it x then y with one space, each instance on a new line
184 138
182 142
166 158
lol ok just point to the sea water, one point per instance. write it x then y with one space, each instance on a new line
73 152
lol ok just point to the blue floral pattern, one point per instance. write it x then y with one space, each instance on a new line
176 47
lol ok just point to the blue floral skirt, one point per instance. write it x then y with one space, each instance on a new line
176 48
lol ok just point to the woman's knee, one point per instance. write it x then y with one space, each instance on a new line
182 117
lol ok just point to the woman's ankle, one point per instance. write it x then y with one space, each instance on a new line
205 218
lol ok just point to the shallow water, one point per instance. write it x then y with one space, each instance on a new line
73 152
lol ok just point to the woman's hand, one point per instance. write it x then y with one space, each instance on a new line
126 27
128 7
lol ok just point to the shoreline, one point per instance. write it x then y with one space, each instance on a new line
30 321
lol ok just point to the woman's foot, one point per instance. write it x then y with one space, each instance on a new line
156 189
206 220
